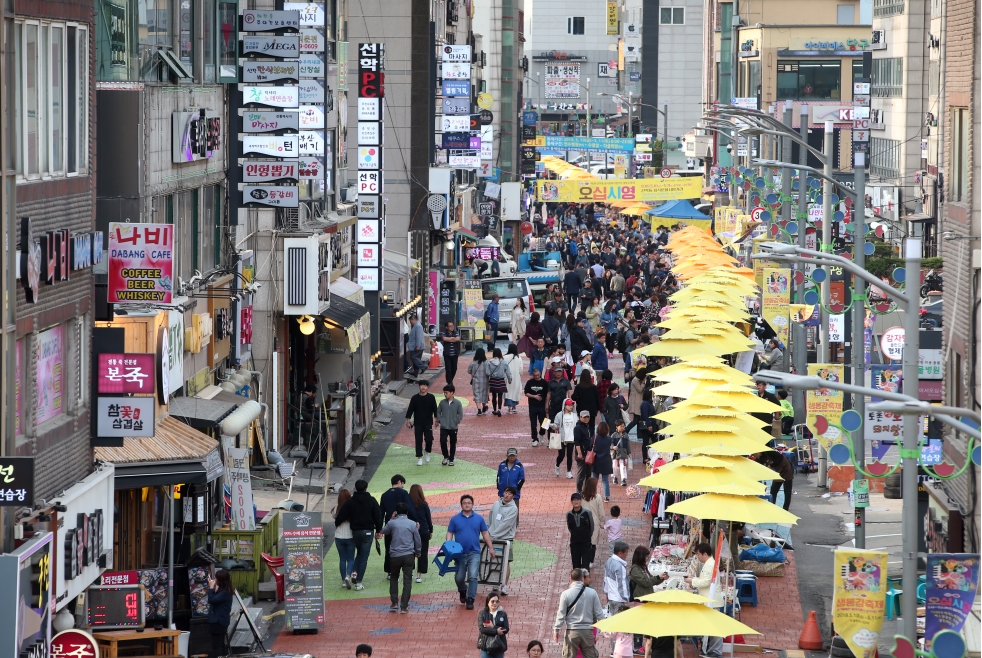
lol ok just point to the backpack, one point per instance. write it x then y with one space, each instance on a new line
622 341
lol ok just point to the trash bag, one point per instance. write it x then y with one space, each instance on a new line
762 553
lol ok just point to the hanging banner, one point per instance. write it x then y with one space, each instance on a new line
952 580
593 144
825 402
141 262
473 305
237 478
859 598
776 307
652 189
805 314
883 428
837 328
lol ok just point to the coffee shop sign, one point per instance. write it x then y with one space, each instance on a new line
848 44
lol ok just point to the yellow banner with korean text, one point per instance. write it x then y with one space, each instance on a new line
647 189
776 302
859 598
760 264
825 402
613 18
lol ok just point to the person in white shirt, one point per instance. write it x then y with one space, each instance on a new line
617 585
565 421
703 582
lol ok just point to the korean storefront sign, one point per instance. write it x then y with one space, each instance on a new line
126 373
660 189
270 71
25 580
16 481
141 263
371 179
859 598
237 478
125 416
269 122
562 80
282 47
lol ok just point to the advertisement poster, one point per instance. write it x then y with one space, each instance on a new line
776 305
302 542
562 80
882 428
825 402
473 305
859 598
432 292
141 262
50 373
952 579
237 478
649 189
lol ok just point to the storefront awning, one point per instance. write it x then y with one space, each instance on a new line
349 290
201 413
352 318
175 454
399 265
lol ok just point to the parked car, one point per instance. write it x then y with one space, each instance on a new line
509 290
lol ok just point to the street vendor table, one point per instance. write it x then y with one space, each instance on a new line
165 641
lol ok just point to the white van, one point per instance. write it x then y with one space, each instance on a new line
509 290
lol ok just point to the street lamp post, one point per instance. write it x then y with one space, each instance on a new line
858 322
801 344
823 457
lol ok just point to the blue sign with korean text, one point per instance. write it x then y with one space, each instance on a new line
635 76
529 118
591 144
456 140
456 87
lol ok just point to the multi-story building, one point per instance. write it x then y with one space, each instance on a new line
958 168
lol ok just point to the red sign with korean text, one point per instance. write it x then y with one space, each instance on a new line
141 263
126 373
73 643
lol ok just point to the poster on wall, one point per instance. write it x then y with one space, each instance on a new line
859 598
776 301
884 428
302 543
141 263
473 305
562 80
50 346
952 580
116 20
825 402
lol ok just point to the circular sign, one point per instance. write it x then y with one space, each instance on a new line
526 228
74 642
484 100
755 213
487 116
892 343
666 173
436 203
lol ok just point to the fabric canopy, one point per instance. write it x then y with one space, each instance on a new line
677 209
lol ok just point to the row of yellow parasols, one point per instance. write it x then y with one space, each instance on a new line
710 422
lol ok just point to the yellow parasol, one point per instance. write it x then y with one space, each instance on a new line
748 509
742 467
695 372
697 424
674 344
674 613
687 387
738 400
680 412
711 443
690 312
702 480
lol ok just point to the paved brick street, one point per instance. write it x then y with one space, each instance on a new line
438 625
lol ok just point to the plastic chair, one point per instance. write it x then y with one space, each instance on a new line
450 553
273 563
747 590
893 602
922 593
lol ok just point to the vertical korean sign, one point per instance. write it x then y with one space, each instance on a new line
613 17
825 402
952 580
777 301
302 542
141 263
859 598
237 477
371 209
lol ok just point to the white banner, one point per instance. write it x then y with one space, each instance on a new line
562 80
238 480
837 328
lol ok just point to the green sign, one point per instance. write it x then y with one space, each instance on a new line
860 489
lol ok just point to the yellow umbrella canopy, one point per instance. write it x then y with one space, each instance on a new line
742 467
710 443
744 428
686 388
707 291
737 284
674 616
736 399
684 347
698 412
695 361
716 329
726 373
748 509
720 313
703 480
635 211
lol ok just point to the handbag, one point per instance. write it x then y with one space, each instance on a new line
590 456
555 441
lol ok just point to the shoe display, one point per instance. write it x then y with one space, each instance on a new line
419 462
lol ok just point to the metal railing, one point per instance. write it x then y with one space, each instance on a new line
884 8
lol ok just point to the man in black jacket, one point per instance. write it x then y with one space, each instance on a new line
420 416
572 284
582 443
364 516
550 331
580 522
396 494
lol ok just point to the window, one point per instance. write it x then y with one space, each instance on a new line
857 70
672 16
754 78
208 13
887 77
51 111
884 8
808 80
884 157
575 25
958 182
845 14
187 35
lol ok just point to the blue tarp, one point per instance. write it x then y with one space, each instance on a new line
678 209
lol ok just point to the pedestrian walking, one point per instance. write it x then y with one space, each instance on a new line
515 364
449 413
420 416
519 315
580 524
468 529
425 529
587 398
479 381
613 407
582 444
598 358
491 318
621 442
702 580
415 346
344 541
579 608
364 515
564 426
616 581
451 350
593 503
511 473
643 581
536 390
492 622
559 385
219 611
533 332
502 525
603 465
614 527
405 547
608 320
537 358
393 496
499 377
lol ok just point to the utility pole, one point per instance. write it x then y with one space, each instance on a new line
858 320
801 342
823 455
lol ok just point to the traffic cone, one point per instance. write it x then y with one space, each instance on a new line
811 637
434 358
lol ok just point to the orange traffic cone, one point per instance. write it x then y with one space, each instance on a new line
434 358
811 637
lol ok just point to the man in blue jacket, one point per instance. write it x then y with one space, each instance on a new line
571 285
493 317
511 473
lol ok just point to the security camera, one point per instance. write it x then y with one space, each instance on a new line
948 235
